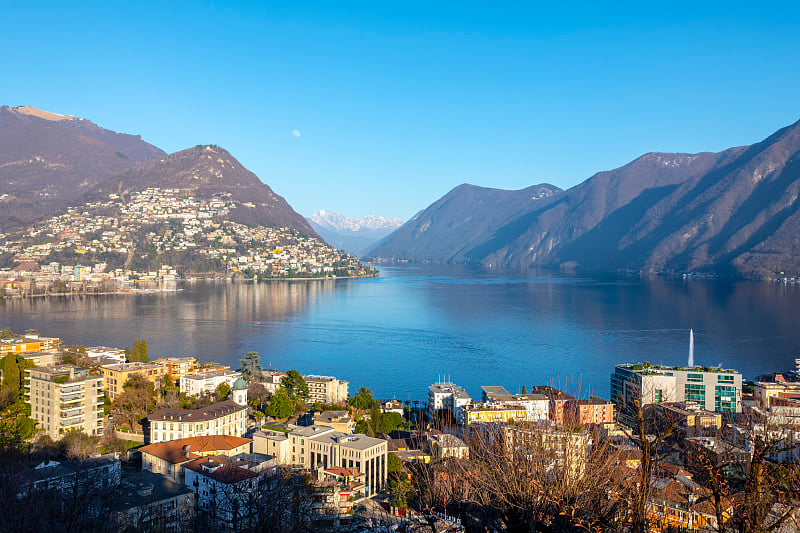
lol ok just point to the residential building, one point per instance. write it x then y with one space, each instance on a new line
558 401
567 450
28 343
326 389
778 387
152 502
63 398
441 445
89 476
98 353
691 420
339 420
201 383
239 392
596 411
224 418
274 443
44 358
272 379
447 396
536 405
115 376
177 367
637 385
490 412
337 491
393 406
224 493
167 458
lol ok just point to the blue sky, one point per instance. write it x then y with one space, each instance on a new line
398 102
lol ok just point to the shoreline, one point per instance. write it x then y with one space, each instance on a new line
155 290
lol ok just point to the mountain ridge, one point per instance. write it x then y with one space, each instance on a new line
733 213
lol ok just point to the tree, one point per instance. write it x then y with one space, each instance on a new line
144 355
251 367
257 394
363 399
222 392
138 353
295 385
136 401
7 334
280 405
375 418
391 422
11 378
524 391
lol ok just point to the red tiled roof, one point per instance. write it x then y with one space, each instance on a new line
227 473
181 450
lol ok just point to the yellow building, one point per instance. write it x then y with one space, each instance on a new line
177 367
115 376
481 414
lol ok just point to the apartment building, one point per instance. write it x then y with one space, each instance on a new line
44 358
642 384
481 414
98 353
339 420
64 398
223 418
447 396
536 405
322 446
691 420
326 389
558 401
150 502
177 367
595 411
28 344
115 376
204 382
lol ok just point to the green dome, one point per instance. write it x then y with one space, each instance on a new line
239 384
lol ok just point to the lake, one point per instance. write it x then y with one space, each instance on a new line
416 324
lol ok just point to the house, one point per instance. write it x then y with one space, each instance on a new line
167 458
226 495
393 406
152 502
223 418
558 401
446 445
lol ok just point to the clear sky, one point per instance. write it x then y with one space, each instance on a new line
382 107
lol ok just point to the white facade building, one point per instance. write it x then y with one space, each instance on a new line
205 382
447 396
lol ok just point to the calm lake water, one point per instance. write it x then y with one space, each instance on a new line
400 332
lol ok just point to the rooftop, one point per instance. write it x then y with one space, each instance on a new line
355 441
129 367
220 469
449 388
182 450
210 374
645 366
552 393
209 412
146 488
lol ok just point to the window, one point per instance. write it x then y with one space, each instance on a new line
694 378
725 379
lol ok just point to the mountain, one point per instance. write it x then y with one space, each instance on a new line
48 160
355 235
462 219
729 213
207 172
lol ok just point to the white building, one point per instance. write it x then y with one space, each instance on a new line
447 396
224 418
105 353
205 382
536 405
326 389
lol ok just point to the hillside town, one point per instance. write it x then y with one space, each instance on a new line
171 443
158 235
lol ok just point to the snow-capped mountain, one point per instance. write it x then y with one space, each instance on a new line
354 235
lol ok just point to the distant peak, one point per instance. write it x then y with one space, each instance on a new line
38 113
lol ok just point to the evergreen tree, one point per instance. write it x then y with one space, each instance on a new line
11 381
523 390
7 334
295 385
363 399
375 418
135 351
222 392
144 355
251 367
